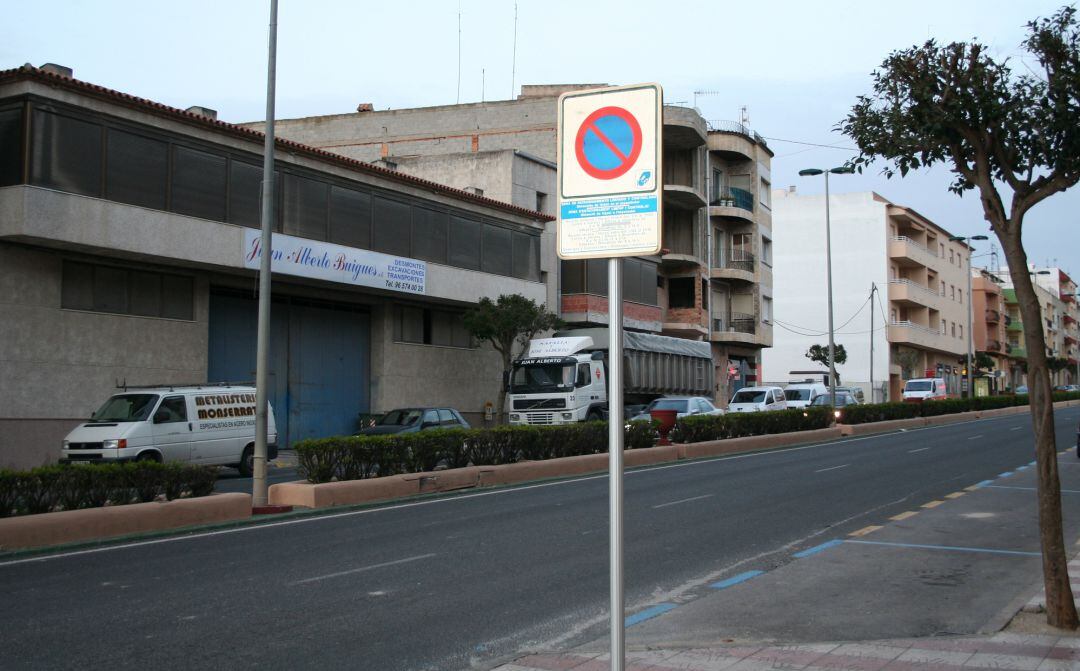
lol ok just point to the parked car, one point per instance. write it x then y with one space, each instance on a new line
843 398
682 405
1022 389
802 394
212 425
758 399
411 420
922 389
856 392
1067 387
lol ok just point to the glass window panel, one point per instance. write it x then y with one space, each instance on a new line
177 297
573 277
11 146
392 227
411 325
497 258
110 289
350 218
430 234
596 273
631 280
66 154
648 283
461 337
526 256
465 243
198 184
245 194
144 290
136 169
305 207
77 286
442 328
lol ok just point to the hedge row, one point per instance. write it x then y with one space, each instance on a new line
68 487
698 428
879 412
359 457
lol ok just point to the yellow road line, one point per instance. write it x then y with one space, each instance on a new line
904 516
932 504
954 495
864 531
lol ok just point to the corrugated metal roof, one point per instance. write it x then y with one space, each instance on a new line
29 72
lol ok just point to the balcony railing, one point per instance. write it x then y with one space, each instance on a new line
730 196
993 316
915 285
739 322
1014 325
904 238
917 327
736 127
993 346
738 259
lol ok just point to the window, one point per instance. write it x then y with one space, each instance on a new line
766 251
950 256
11 146
447 418
426 326
198 183
584 375
172 409
953 328
681 292
431 417
429 234
573 277
765 193
961 329
66 154
245 194
350 217
391 230
121 291
952 292
942 287
465 243
136 169
766 309
541 201
716 186
960 295
526 256
304 207
596 276
497 257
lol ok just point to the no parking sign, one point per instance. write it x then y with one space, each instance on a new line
609 164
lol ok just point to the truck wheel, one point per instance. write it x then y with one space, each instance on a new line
593 416
247 462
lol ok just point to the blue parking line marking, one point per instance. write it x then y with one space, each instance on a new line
949 547
1022 468
1005 474
984 483
735 580
648 613
818 548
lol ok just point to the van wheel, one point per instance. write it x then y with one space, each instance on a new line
593 416
148 456
247 462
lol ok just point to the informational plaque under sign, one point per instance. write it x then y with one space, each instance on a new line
610 172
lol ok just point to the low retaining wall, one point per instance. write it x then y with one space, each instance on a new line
714 448
71 526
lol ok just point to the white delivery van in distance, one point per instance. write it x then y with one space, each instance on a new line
925 389
211 425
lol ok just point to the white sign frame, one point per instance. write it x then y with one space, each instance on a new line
613 209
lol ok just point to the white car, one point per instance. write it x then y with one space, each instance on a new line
682 405
758 399
802 394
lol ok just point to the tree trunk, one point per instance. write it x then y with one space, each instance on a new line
500 412
1060 607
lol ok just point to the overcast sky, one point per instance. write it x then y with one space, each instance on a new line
796 66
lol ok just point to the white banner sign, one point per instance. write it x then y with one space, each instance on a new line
334 263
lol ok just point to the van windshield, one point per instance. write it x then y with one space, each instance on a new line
918 385
748 397
126 408
797 394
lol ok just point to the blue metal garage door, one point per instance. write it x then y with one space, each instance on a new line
319 368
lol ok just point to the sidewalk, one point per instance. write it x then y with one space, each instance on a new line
933 588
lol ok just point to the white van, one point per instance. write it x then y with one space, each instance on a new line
922 389
802 394
757 399
212 425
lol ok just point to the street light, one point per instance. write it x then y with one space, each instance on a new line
970 339
809 172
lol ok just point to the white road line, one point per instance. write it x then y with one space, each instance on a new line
975 437
921 449
362 569
832 468
1016 428
673 503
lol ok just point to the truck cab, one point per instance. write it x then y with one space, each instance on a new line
561 388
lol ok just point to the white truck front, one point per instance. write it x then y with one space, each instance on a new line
556 383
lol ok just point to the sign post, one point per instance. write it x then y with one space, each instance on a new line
609 203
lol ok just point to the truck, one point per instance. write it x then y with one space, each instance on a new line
563 379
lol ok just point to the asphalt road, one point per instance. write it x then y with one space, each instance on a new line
469 580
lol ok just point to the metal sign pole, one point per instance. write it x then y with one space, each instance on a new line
615 453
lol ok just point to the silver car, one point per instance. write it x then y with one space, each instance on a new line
682 405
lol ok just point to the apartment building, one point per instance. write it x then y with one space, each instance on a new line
989 323
712 279
899 285
129 254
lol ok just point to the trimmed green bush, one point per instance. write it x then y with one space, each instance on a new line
70 487
879 412
699 428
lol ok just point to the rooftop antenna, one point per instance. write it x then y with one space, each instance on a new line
704 93
513 60
459 52
744 116
483 81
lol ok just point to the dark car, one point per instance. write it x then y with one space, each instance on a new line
410 420
843 398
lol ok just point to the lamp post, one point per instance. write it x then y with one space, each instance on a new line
808 172
970 338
